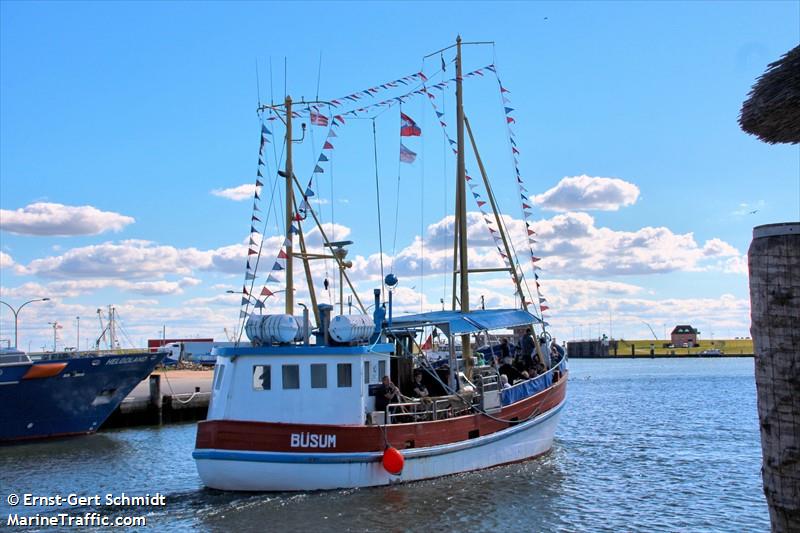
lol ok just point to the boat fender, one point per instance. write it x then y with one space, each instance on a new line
393 460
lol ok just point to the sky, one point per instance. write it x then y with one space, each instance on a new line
129 143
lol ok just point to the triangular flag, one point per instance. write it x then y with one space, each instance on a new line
260 161
481 204
259 304
509 110
249 276
332 133
543 308
277 266
327 146
242 314
318 170
309 193
259 183
281 255
259 174
253 229
251 252
266 292
322 157
272 279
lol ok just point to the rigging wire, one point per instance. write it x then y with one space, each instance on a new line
397 200
378 198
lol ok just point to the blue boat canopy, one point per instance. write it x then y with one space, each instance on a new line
458 322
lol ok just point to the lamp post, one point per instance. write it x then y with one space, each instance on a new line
56 327
16 316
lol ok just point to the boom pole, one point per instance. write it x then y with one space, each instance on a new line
461 212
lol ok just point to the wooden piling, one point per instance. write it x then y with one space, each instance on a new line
774 260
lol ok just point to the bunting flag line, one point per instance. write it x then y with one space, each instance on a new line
318 119
525 203
472 185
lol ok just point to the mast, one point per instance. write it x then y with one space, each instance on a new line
461 211
289 211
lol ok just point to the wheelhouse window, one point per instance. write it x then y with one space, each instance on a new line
291 376
319 376
344 375
220 370
366 371
381 369
262 377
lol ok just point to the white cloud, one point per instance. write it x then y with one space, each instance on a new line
587 192
239 193
43 218
6 261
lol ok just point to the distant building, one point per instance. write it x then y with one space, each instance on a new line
684 334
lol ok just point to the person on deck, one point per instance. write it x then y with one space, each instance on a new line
508 370
504 349
420 390
528 347
387 393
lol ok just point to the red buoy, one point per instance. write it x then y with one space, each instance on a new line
393 460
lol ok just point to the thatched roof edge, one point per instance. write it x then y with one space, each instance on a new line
772 109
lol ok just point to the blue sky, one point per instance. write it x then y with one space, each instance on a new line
141 110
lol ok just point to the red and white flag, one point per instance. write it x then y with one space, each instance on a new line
408 128
406 155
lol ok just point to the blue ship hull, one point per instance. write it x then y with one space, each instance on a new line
67 394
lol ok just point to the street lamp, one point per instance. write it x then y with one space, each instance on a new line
16 316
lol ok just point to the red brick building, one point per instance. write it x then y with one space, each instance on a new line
684 334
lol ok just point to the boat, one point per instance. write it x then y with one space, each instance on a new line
62 394
301 406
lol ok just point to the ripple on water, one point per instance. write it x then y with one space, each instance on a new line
668 445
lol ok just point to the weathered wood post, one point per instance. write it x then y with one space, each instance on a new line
156 400
774 260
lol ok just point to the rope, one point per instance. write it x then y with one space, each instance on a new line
172 392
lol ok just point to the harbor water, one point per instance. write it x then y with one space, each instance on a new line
643 445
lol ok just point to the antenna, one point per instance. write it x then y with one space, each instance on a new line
319 73
258 86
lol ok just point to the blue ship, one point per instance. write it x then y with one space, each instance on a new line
65 394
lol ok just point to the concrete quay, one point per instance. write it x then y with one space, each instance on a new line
165 397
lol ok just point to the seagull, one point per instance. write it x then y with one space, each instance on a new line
754 212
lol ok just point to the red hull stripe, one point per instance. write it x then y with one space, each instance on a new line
279 437
364 457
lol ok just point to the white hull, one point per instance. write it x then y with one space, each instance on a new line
276 471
